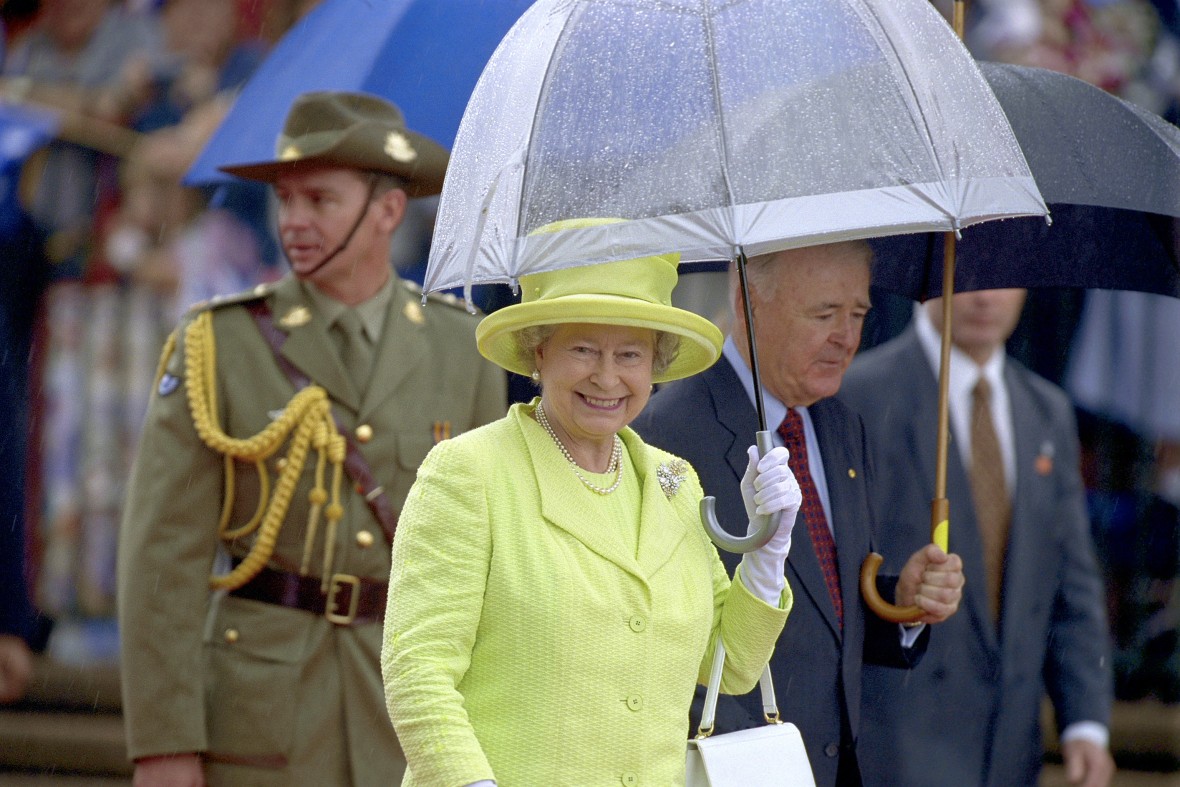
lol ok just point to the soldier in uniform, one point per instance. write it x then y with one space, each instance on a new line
283 434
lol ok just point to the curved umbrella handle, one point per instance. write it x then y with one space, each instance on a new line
873 600
939 531
765 526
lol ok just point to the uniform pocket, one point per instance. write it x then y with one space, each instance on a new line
254 658
412 449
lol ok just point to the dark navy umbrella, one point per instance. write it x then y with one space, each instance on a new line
424 55
1110 172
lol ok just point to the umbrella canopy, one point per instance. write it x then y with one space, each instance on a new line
711 127
716 130
1111 173
423 55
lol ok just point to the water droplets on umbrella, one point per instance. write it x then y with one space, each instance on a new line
717 130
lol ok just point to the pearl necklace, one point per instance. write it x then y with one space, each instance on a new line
616 457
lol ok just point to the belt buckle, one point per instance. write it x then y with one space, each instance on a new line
330 604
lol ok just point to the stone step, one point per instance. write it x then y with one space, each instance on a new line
1144 738
67 726
54 779
1144 735
1053 775
59 686
55 742
1147 731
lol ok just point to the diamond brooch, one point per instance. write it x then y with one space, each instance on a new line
671 475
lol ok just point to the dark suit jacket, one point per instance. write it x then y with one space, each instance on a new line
709 420
969 713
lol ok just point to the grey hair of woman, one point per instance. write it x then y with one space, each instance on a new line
667 346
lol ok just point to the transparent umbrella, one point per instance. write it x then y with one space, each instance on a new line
720 129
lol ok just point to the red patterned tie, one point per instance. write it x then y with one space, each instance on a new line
791 431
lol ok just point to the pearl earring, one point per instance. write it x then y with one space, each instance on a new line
536 375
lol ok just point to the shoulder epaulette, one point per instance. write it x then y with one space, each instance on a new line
438 297
217 301
452 301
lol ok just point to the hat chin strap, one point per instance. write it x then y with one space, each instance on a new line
355 226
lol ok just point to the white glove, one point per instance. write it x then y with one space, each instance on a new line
769 486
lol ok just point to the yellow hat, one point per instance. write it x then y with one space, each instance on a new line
636 293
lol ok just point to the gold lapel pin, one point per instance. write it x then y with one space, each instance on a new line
298 316
1044 461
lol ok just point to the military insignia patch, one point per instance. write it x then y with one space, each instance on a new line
398 147
295 318
168 384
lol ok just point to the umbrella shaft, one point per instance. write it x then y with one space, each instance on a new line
749 314
944 369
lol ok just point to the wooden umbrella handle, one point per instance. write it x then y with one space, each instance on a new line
880 607
939 529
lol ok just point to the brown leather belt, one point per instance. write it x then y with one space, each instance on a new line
349 601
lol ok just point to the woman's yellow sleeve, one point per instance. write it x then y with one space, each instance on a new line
439 568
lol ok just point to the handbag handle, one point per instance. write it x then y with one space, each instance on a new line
709 712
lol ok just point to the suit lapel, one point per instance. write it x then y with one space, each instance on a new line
397 354
308 346
1031 442
734 413
662 524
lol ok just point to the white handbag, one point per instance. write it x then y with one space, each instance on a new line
769 756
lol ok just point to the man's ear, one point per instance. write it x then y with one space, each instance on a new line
739 305
392 205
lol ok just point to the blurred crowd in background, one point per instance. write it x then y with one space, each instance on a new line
103 248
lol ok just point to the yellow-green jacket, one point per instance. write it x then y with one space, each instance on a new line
274 695
524 643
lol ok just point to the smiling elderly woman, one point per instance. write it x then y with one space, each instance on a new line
554 599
